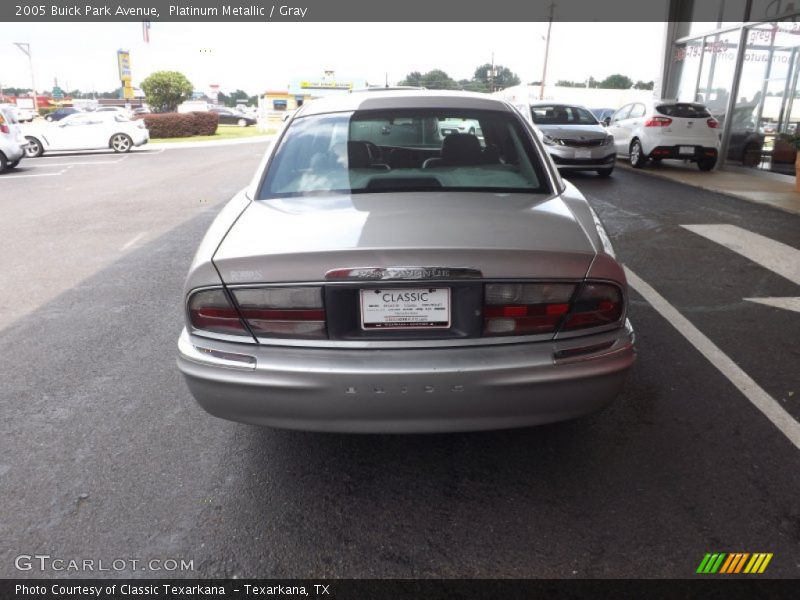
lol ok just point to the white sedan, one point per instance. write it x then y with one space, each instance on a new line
86 131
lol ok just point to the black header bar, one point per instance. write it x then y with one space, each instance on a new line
334 10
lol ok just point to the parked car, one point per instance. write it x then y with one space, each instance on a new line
377 276
745 142
60 113
574 138
659 129
25 115
448 126
86 131
12 142
228 116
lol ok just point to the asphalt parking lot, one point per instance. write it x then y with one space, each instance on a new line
106 455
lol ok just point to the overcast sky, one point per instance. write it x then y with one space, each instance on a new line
260 56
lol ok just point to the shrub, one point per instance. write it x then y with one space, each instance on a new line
171 125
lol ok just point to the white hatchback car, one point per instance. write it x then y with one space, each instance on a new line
86 131
659 129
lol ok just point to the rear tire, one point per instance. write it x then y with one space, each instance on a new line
637 157
13 164
605 172
34 147
3 162
121 142
706 164
241 123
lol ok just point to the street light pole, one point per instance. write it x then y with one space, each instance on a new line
546 51
26 48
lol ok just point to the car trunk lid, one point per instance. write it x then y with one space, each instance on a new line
300 239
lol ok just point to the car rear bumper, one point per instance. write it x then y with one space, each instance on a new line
606 161
13 151
697 152
410 390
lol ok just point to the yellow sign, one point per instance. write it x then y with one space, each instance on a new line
325 85
124 63
127 90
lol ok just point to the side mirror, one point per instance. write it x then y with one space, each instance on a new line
607 121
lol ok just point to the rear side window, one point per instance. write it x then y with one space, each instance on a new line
405 150
684 111
637 111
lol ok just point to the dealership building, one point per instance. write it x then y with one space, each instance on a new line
740 58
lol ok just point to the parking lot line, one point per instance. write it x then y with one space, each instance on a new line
775 256
743 382
34 175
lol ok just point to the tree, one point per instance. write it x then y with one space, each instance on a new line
616 82
432 80
414 78
504 78
642 85
166 89
471 85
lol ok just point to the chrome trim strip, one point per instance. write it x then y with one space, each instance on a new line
401 273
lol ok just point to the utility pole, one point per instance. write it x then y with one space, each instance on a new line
546 50
26 48
492 74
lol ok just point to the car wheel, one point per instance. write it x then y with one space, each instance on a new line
637 157
605 172
241 123
12 164
706 164
121 142
34 147
3 162
751 156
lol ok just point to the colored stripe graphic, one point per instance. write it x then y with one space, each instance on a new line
734 562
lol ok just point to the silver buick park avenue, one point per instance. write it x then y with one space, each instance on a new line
385 274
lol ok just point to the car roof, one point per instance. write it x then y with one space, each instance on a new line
400 99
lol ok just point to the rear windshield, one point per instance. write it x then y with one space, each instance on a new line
561 114
684 111
405 150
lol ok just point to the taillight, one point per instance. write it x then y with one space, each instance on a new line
210 310
525 308
712 123
283 312
658 122
3 127
596 304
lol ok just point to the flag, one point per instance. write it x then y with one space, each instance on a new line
146 31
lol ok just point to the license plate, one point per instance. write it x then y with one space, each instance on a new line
685 149
583 154
405 308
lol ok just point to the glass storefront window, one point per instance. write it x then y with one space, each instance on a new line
767 107
685 67
716 75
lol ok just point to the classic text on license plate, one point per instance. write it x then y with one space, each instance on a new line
405 308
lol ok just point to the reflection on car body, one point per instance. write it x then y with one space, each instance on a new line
378 276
